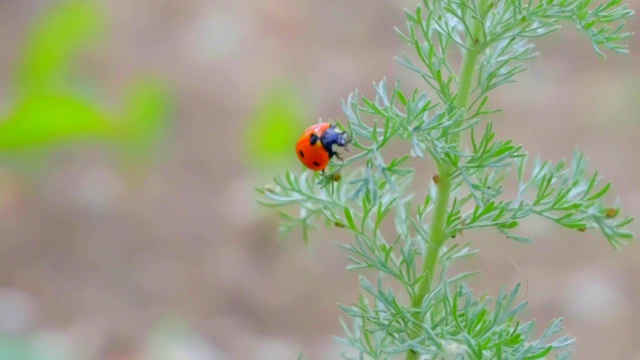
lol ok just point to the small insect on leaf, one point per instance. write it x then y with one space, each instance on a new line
436 179
611 212
269 188
582 229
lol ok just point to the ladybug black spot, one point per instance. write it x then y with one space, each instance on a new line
316 163
301 153
314 139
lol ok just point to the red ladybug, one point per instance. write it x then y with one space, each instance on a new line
318 144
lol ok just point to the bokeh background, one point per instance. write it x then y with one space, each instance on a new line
133 133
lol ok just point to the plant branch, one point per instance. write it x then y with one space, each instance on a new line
437 233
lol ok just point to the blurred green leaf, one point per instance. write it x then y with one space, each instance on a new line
48 112
147 104
41 120
54 41
275 126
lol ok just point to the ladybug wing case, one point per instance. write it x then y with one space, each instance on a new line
311 152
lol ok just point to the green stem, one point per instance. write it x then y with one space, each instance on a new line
437 234
466 78
437 227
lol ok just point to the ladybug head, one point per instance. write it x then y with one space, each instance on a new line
333 137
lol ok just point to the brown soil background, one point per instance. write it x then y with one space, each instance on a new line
191 241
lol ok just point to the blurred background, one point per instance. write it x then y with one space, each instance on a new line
133 134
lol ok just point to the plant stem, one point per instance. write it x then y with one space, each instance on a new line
437 233
437 229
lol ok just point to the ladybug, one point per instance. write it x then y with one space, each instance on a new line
318 144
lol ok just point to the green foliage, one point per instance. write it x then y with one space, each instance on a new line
416 308
274 123
41 120
466 327
49 108
144 117
53 43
